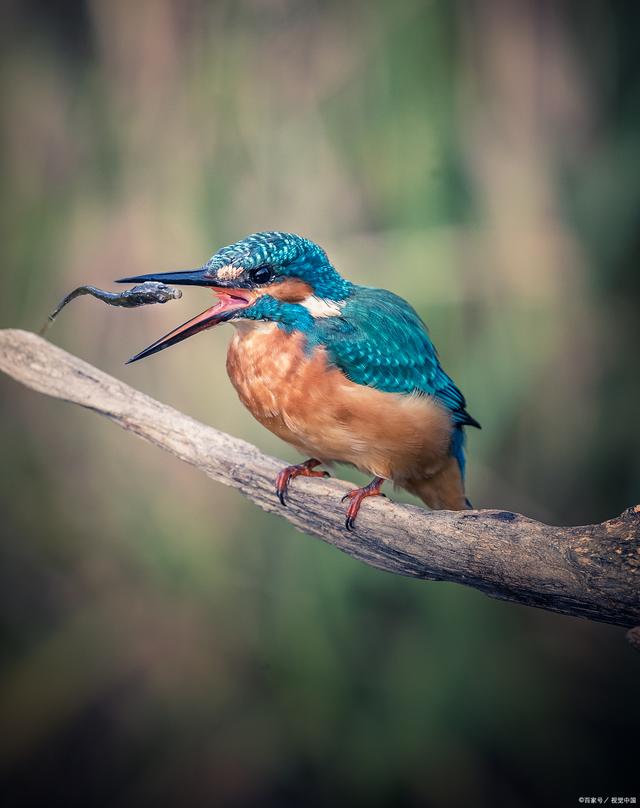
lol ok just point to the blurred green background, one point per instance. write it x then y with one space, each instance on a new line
163 641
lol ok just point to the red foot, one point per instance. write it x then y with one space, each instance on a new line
301 470
357 495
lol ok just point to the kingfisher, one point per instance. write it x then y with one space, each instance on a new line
342 372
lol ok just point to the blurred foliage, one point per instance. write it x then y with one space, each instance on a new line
165 643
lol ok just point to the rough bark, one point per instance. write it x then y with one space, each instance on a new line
589 571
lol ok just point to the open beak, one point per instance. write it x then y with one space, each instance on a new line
187 277
229 301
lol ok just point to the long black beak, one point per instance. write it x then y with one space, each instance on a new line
188 277
225 308
230 300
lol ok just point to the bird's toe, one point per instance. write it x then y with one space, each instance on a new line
289 473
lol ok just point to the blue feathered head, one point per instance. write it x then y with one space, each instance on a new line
254 279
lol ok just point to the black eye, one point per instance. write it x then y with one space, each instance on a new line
261 275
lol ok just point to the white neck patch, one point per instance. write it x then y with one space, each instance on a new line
319 307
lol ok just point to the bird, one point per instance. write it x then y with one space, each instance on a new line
342 372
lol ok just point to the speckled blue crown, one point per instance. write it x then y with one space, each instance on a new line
289 255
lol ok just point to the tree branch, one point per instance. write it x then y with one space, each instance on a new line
591 571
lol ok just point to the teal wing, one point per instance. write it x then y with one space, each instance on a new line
380 341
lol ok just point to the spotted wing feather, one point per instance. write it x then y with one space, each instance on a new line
380 341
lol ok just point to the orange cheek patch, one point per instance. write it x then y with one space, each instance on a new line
290 290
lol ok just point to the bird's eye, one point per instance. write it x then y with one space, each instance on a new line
261 275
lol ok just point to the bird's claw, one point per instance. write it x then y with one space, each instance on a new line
357 496
351 493
289 473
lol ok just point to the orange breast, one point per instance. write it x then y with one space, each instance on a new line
313 406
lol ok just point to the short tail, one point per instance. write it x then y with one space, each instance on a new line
457 449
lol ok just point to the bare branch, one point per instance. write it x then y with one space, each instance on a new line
591 571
